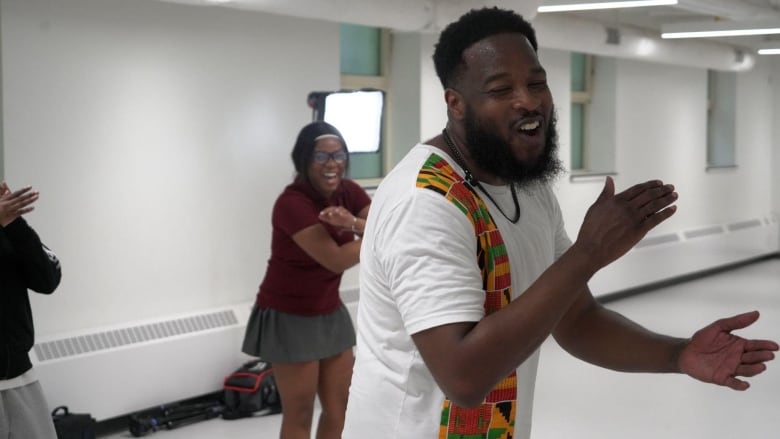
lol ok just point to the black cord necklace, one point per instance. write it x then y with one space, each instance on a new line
473 182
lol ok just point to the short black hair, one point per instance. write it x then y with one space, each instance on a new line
307 139
473 26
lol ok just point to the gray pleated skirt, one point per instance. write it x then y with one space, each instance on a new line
281 337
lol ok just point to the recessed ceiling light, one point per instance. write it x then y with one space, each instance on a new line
591 5
769 48
719 29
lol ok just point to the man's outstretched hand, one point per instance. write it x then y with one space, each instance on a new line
715 355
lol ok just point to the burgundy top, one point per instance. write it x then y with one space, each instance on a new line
294 282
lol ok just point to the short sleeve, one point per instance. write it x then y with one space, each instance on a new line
428 249
293 212
357 197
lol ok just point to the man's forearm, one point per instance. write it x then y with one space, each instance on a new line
608 339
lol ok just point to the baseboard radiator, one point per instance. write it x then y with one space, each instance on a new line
111 372
115 371
659 258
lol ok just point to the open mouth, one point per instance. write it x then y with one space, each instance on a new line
530 133
530 128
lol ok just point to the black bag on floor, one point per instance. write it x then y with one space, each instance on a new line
73 425
249 390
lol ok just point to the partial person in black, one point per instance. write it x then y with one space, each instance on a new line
25 264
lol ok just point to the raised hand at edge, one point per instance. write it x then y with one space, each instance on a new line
15 204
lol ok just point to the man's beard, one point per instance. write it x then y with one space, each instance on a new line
494 155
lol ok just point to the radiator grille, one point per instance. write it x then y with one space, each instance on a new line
707 231
744 225
98 341
655 240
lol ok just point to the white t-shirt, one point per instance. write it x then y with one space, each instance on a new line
418 270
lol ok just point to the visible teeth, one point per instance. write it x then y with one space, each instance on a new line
530 126
330 174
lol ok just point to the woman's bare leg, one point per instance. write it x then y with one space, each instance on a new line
333 389
297 384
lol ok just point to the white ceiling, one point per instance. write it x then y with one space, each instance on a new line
652 18
404 15
431 15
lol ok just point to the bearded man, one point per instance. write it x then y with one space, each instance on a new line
466 268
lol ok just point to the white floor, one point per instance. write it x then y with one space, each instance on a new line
576 400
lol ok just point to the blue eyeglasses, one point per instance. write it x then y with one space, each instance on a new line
323 157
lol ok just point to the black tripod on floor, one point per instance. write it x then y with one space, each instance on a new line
173 416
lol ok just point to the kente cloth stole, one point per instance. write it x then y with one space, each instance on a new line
495 417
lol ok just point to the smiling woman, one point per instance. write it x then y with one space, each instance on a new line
299 322
328 164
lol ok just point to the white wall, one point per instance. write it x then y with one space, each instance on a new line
159 136
661 133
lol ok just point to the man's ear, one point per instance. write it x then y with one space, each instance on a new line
455 104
